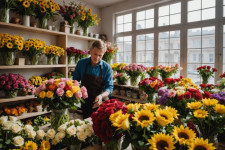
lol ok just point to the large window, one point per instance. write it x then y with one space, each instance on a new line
201 42
145 19
145 49
224 48
124 23
125 49
201 10
170 14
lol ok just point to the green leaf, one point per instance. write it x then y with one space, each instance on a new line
141 143
0 145
8 141
74 107
135 136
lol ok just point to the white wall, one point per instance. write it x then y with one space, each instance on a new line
109 12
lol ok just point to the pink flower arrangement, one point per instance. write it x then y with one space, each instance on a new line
61 93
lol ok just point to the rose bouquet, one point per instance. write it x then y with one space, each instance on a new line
54 75
8 45
171 83
33 48
111 50
12 83
120 78
209 116
51 52
101 122
207 87
150 86
58 95
71 52
166 71
134 71
152 71
118 67
70 13
206 72
79 54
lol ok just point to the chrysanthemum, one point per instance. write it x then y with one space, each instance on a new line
183 135
45 145
219 108
200 113
194 105
30 145
164 117
201 144
173 111
133 107
209 102
150 106
144 118
122 122
161 141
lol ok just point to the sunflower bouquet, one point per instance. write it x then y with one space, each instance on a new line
8 45
25 7
111 50
166 71
152 71
51 52
209 116
187 83
206 72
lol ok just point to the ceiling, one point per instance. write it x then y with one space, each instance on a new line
102 3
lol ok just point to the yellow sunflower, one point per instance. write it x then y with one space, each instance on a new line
219 108
113 116
134 107
173 111
209 102
9 45
163 117
150 106
200 113
26 4
194 105
183 135
122 122
144 118
45 145
201 144
161 141
30 145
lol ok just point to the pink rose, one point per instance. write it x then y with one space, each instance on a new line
76 83
63 79
37 91
85 95
42 86
51 81
15 86
78 95
83 89
147 82
7 87
59 91
61 85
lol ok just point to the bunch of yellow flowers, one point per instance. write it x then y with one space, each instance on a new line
187 83
33 47
46 8
25 7
118 67
11 42
54 50
36 80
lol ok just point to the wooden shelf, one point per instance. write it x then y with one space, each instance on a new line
128 98
82 37
45 127
31 66
18 98
28 115
127 86
71 66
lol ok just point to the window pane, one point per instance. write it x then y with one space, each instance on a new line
119 57
119 39
193 74
224 11
127 57
141 15
140 45
150 56
194 32
208 14
193 56
175 8
149 13
140 56
127 38
208 30
127 18
174 56
208 41
175 19
140 25
120 46
164 10
163 21
209 55
127 46
194 42
127 27
120 28
150 45
208 3
150 23
194 16
174 34
194 5
163 56
119 20
175 43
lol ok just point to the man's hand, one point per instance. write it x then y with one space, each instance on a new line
98 101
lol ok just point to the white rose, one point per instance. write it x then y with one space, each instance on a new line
62 127
81 136
88 132
18 141
7 125
3 119
28 128
31 134
12 118
60 135
81 128
71 130
16 128
51 133
40 134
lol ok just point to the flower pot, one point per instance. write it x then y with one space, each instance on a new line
5 15
85 31
8 58
26 20
70 59
75 147
59 117
11 94
33 60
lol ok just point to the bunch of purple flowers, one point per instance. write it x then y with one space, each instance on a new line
220 97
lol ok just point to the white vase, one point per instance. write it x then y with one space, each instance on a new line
4 15
26 20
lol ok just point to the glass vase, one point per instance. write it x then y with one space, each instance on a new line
205 80
59 117
85 31
33 60
76 59
150 98
8 58
70 59
72 28
75 147
113 145
11 94
43 23
50 60
133 80
56 60
26 20
5 15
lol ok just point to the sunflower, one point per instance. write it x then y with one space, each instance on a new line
161 141
144 118
183 135
45 145
113 116
173 111
201 144
30 145
122 122
150 106
26 4
194 105
200 113
163 117
209 102
219 108
134 107
9 45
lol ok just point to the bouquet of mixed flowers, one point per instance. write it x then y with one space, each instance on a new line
70 13
101 121
152 71
150 86
24 7
54 75
207 87
87 19
120 78
209 116
111 50
53 51
118 67
71 52
33 48
166 71
134 71
206 72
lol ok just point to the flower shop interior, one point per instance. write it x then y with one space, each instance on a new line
167 63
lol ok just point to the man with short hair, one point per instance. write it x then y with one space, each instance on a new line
96 75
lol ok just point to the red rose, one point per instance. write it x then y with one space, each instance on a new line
180 98
187 95
202 85
214 69
66 88
198 96
207 94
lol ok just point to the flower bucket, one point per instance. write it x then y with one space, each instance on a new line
85 31
56 60
43 23
59 117
8 58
